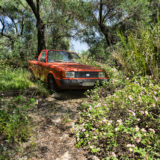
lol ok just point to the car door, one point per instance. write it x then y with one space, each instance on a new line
42 65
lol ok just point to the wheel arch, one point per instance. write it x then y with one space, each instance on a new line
55 79
51 74
56 88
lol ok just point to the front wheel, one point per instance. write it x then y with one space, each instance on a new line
52 84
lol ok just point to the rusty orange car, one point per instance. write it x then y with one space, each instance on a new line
61 70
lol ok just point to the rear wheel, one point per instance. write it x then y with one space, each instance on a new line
52 84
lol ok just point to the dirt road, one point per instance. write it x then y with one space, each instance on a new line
53 135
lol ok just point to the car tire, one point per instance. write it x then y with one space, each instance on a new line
52 84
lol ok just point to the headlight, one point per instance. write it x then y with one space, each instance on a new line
70 74
101 75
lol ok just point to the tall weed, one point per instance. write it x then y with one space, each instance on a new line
19 79
140 52
14 79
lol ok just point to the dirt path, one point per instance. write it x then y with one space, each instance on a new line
53 137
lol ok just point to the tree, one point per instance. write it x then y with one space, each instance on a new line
9 29
106 16
16 29
60 24
21 22
40 25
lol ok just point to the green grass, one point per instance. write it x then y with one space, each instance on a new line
14 117
139 52
15 123
19 79
14 79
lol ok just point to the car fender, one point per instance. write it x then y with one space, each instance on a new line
54 76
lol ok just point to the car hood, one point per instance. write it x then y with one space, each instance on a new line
74 67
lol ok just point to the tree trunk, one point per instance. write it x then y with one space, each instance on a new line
106 33
104 29
40 36
40 26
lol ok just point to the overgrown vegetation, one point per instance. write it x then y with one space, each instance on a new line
15 124
140 52
14 119
16 92
121 119
13 77
123 125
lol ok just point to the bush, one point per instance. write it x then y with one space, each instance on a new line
139 53
125 125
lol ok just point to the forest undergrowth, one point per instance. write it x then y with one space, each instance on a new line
17 98
121 119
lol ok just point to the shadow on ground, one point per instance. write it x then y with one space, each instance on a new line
69 94
52 122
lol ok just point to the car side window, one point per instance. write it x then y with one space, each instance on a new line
43 57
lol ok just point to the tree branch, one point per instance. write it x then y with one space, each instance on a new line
22 25
33 7
12 19
100 12
3 26
104 17
4 34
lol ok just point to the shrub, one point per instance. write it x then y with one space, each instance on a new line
139 54
125 125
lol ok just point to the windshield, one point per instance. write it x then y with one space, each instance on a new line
62 56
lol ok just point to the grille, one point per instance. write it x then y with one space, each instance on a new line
86 74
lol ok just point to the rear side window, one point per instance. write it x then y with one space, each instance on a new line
43 57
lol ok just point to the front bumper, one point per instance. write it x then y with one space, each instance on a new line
80 83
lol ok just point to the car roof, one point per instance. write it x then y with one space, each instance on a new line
57 50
